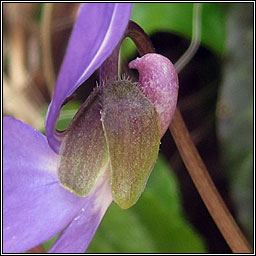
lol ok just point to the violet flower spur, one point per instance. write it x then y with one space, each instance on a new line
66 181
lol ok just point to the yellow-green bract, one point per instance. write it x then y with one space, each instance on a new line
118 127
133 136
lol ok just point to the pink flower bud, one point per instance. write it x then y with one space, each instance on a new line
158 80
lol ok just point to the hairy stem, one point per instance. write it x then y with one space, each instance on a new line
191 158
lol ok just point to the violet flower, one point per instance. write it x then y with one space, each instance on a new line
66 181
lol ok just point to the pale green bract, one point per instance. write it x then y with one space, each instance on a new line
83 151
133 137
117 127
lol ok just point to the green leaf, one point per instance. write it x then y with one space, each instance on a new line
47 245
66 115
83 152
156 224
132 131
177 18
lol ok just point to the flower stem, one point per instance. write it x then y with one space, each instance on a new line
140 38
206 188
195 42
194 164
109 70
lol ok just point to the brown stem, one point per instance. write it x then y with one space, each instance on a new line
37 249
206 188
140 38
46 46
194 164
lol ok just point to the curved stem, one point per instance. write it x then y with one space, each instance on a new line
195 42
194 164
140 38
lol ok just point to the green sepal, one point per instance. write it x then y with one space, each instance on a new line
132 132
83 152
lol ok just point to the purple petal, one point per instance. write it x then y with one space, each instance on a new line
35 206
98 29
78 235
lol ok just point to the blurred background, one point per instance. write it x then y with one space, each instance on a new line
216 100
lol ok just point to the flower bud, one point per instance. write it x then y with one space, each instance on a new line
158 80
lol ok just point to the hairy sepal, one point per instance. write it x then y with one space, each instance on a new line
83 152
132 131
